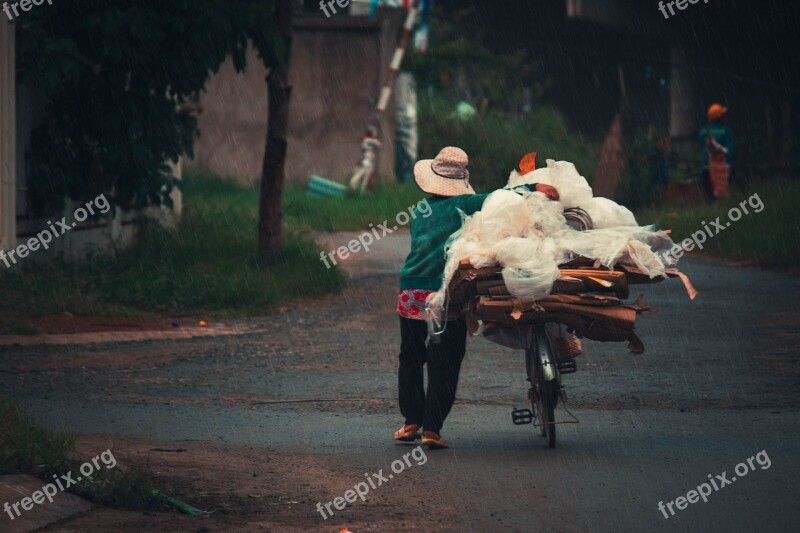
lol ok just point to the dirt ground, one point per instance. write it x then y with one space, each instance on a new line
250 489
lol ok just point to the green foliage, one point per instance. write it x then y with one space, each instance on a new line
685 162
767 237
115 76
507 89
638 189
462 66
495 141
123 487
206 265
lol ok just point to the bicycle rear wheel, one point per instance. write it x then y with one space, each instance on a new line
542 393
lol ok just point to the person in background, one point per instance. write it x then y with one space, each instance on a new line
446 178
716 140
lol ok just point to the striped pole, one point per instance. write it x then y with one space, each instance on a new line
397 59
391 78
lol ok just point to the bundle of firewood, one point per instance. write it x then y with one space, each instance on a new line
587 298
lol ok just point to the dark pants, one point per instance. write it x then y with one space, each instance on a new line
444 364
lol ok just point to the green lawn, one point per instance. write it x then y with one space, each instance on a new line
208 265
769 238
350 213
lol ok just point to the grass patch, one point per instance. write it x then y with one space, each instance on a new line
11 326
206 265
768 237
350 213
27 448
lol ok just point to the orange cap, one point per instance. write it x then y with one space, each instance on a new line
716 112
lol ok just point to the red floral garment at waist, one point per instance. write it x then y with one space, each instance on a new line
411 303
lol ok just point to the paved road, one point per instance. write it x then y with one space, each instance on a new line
716 386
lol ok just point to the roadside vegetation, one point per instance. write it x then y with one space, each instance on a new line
206 265
493 104
496 140
767 238
353 212
27 448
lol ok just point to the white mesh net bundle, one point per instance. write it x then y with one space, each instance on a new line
527 235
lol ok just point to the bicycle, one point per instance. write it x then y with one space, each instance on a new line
542 366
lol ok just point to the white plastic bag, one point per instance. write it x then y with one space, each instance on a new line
608 214
573 189
530 284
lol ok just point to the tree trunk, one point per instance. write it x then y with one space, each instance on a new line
273 168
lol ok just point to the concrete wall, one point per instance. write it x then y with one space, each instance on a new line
686 112
337 68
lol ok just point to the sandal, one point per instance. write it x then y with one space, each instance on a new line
434 441
407 433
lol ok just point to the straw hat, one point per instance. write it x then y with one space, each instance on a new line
447 175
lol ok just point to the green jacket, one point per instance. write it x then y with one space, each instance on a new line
724 136
424 266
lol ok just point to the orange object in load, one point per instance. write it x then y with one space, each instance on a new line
527 163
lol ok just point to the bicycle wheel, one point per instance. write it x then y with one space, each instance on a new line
542 392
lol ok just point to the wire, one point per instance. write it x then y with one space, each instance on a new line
315 400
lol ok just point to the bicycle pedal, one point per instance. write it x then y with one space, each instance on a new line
521 416
568 367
